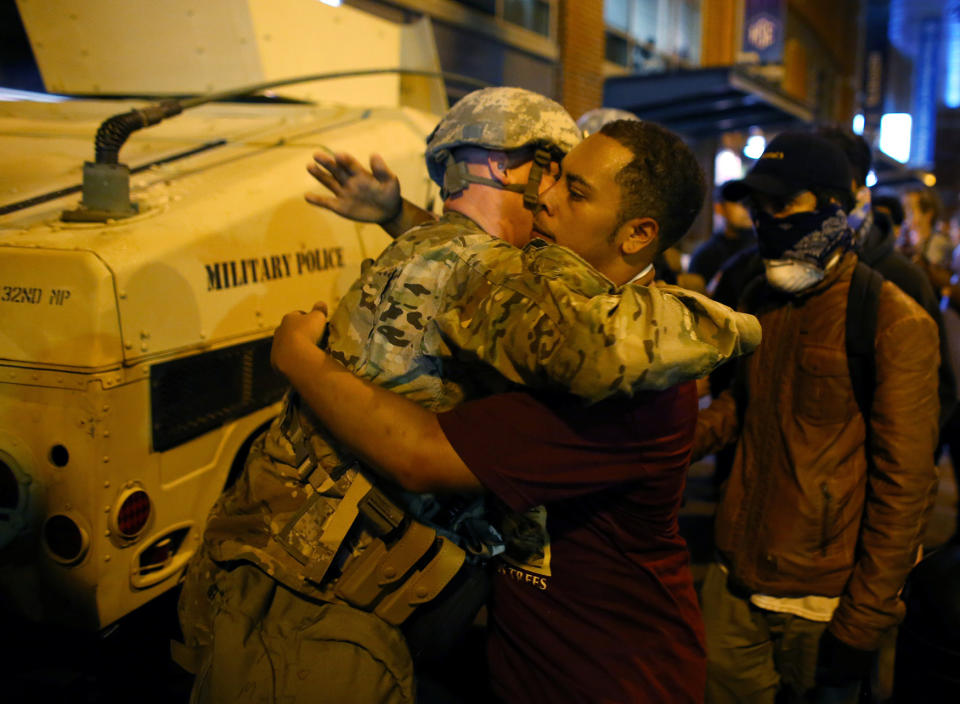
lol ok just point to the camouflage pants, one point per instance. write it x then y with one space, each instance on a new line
257 641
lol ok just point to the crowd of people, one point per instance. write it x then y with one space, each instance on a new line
499 416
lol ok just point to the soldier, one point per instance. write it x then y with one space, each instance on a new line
308 570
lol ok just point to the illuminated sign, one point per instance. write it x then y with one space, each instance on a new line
895 128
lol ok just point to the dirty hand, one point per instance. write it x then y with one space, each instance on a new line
296 336
358 194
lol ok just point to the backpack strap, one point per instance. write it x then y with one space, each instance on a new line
753 293
863 299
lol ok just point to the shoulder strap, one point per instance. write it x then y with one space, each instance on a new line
749 302
861 331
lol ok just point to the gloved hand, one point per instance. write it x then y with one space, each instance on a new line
840 664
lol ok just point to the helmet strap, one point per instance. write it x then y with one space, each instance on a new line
456 178
531 194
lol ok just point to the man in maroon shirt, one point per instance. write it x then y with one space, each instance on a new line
600 608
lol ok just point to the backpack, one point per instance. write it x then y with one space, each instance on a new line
861 330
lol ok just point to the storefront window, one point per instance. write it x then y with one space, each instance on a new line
616 14
533 15
529 14
487 6
644 35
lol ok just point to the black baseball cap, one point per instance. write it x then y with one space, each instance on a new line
793 162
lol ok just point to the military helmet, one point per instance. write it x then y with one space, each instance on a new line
500 118
592 120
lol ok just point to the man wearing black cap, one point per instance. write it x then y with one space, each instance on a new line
823 513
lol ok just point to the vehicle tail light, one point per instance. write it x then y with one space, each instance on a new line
65 539
133 514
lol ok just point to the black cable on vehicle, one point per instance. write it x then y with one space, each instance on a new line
115 130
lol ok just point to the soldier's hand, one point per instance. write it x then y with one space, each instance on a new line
355 192
296 337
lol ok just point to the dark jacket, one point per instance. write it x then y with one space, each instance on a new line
801 512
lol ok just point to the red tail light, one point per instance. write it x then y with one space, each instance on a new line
133 514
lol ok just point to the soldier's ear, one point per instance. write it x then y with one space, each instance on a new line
637 234
497 163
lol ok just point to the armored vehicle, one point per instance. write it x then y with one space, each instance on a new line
134 342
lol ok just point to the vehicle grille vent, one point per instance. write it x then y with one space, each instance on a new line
194 395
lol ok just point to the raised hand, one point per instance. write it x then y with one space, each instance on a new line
354 192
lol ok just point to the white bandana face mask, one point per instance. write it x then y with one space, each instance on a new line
791 276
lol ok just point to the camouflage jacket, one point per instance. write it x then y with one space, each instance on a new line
446 313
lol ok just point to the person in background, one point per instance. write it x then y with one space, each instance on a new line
875 235
892 209
874 239
736 235
822 516
930 246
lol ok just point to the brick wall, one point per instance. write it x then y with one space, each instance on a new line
580 34
719 32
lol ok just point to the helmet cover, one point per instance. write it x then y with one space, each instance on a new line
500 119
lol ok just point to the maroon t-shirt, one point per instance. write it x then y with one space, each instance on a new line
593 600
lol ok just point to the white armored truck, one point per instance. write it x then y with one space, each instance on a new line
135 338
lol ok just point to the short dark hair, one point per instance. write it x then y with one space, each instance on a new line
854 147
892 205
663 181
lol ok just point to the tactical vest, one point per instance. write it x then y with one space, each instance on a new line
308 514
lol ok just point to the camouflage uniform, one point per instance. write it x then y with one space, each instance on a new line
446 313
